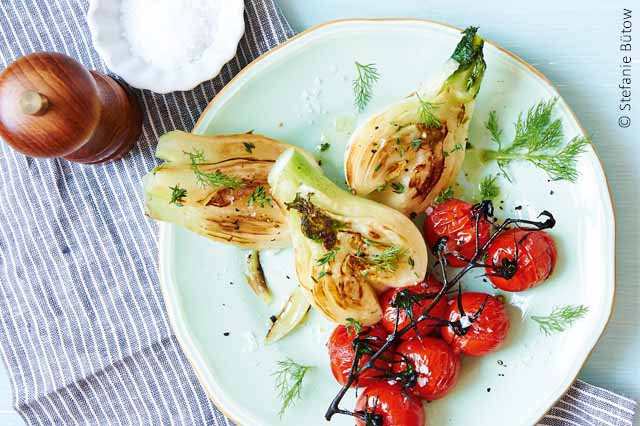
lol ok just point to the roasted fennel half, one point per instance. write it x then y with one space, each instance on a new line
405 156
345 247
217 186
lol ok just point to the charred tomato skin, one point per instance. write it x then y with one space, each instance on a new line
456 220
536 258
342 353
487 332
436 363
396 407
426 327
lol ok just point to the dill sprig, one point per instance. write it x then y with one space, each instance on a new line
289 376
445 195
397 187
354 326
177 195
561 318
539 140
216 179
426 113
489 188
249 147
387 260
329 256
363 84
259 196
324 146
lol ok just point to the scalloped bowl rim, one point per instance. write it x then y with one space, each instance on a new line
114 49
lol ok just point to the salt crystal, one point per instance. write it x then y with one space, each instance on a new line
169 33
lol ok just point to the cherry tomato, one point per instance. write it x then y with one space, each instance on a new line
342 353
456 220
536 258
389 313
486 333
437 366
395 407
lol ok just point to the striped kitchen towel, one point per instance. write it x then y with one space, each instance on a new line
83 329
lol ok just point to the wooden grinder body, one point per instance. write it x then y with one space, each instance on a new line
51 106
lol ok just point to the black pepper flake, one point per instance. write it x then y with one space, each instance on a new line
517 208
230 282
377 127
288 277
319 162
226 333
413 215
66 250
501 208
488 389
373 151
501 374
551 192
484 280
273 318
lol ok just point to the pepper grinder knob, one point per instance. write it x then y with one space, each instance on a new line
51 106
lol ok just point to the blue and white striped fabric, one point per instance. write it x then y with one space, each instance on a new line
82 324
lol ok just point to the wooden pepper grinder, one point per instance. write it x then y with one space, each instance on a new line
51 106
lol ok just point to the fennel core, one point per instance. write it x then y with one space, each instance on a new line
316 224
538 139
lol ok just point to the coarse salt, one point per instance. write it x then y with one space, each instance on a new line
169 33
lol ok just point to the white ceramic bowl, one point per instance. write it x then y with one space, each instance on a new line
107 33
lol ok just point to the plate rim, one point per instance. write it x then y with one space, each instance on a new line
166 230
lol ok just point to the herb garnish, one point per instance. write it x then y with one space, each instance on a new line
397 187
353 326
457 147
489 188
289 377
426 113
324 146
416 143
216 179
177 195
445 195
259 196
387 260
248 146
363 84
327 257
539 140
561 318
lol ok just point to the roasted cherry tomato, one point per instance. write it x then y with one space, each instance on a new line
390 405
521 258
486 333
389 313
436 364
456 220
342 352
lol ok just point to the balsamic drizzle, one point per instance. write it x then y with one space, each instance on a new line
405 299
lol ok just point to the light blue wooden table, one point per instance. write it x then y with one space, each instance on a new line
575 44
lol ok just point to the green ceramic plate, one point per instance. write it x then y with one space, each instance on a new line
301 93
